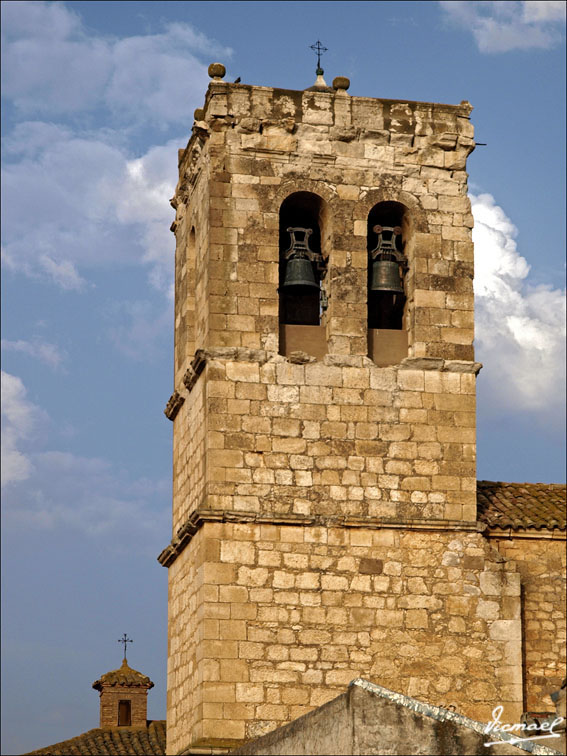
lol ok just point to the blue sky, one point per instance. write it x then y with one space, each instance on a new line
97 98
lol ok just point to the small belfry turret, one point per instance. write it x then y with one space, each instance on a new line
123 695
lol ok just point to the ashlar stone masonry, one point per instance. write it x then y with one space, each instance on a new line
324 511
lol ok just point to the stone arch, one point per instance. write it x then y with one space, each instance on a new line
300 303
290 186
390 222
304 248
330 206
386 307
389 192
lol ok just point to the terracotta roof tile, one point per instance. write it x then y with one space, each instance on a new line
521 506
124 676
111 741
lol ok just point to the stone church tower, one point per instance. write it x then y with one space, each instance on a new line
324 505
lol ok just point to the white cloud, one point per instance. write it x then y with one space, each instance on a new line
20 419
143 201
50 354
99 207
544 10
38 19
48 64
51 489
51 65
503 25
62 272
520 329
79 200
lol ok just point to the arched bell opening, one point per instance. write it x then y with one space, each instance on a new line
301 271
388 224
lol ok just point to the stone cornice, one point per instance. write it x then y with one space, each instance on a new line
463 109
198 518
261 356
541 534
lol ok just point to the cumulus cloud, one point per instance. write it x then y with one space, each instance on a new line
520 328
544 10
143 202
20 419
50 354
79 199
499 26
52 65
94 206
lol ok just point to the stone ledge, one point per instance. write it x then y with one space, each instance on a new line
208 747
198 518
261 356
437 363
542 534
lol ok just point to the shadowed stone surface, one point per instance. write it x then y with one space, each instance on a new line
370 719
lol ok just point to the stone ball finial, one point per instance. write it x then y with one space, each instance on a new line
199 114
341 82
216 70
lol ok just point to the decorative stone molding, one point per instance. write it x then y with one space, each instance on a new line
261 356
198 518
341 83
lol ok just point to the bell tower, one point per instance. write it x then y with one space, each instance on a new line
324 503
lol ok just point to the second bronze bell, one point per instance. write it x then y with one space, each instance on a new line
386 276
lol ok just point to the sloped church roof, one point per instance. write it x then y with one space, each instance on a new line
521 506
112 741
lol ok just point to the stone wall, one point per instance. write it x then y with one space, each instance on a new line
341 437
191 226
372 720
189 456
541 564
269 621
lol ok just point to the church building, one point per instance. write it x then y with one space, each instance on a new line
328 524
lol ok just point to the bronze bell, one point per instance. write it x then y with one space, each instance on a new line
387 261
386 276
298 269
299 272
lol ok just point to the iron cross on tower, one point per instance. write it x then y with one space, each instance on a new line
125 639
319 49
